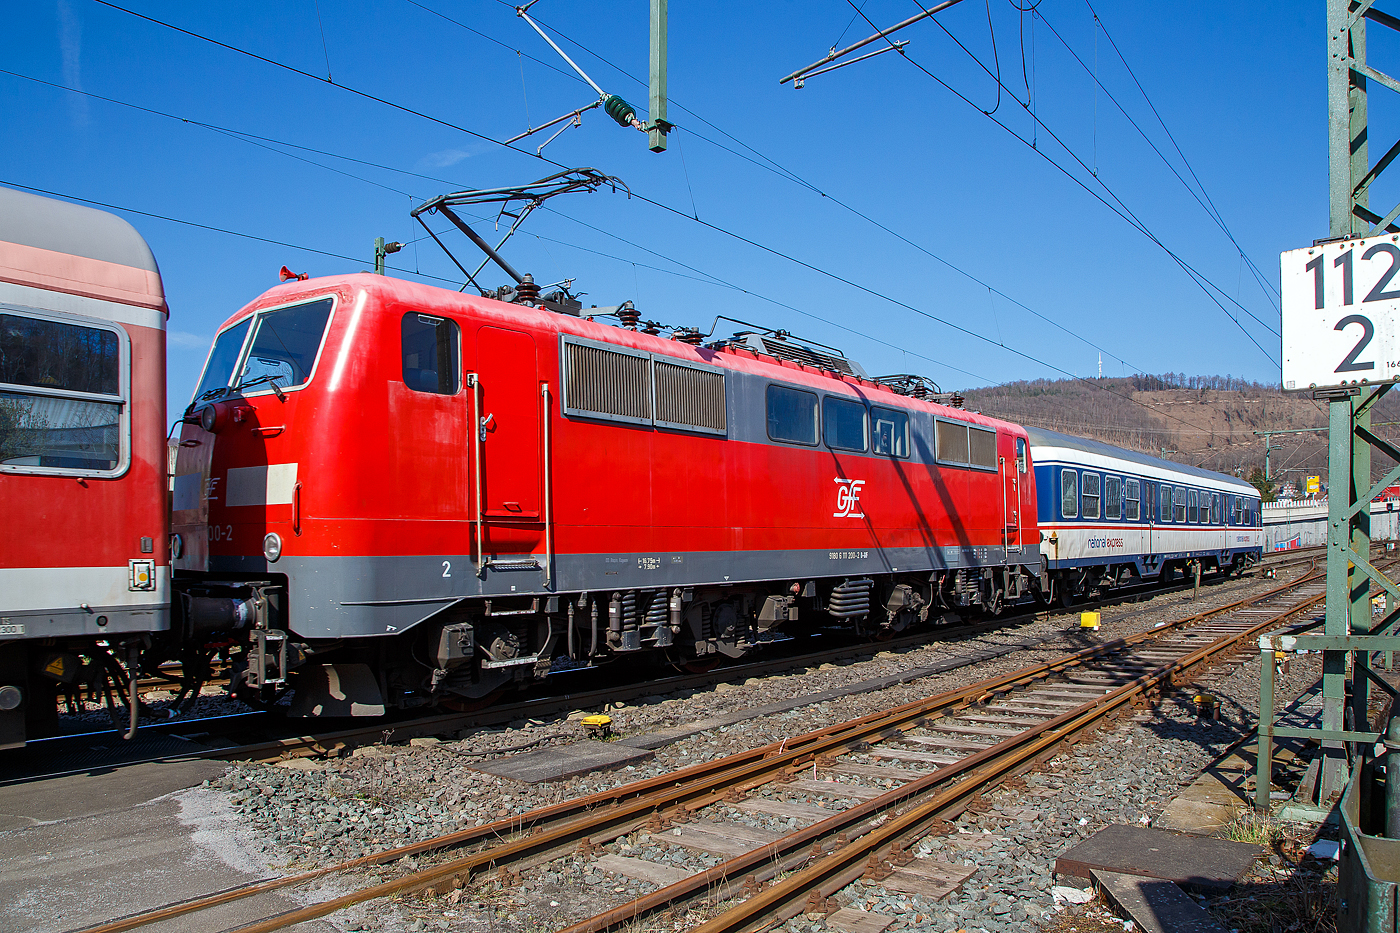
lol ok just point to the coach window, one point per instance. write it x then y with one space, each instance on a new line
1112 497
890 432
61 395
1091 495
1239 513
1166 504
843 422
1193 514
285 344
1215 508
1179 503
431 354
792 415
1131 497
1069 494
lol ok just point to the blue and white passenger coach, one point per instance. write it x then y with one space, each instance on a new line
1111 517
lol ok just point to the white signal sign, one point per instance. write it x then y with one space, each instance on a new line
1340 304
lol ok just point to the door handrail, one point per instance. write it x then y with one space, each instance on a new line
474 381
548 498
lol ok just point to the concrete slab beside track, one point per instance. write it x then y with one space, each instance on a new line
86 848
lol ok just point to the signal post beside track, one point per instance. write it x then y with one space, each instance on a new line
1340 309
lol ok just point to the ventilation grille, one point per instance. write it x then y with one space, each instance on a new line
607 383
984 448
952 441
690 397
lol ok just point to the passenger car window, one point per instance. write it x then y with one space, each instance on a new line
1239 515
1166 504
431 354
1215 508
889 432
59 424
1193 514
1179 503
1112 497
1091 495
792 415
843 422
285 343
1069 493
1131 497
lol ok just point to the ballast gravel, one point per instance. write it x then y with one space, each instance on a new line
304 813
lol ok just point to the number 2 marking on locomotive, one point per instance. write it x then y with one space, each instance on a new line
447 568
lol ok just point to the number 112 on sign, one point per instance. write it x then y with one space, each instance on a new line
1340 302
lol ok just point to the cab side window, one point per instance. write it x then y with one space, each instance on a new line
431 354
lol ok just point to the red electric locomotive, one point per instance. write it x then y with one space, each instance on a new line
84 565
395 494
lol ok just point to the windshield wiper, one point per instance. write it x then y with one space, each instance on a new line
270 380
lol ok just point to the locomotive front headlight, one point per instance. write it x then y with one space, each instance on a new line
272 546
209 418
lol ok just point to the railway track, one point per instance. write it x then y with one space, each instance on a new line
244 736
941 754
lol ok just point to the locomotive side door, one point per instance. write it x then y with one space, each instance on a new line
1012 471
506 424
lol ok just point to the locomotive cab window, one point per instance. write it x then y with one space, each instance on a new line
843 423
285 344
1069 494
228 347
1091 495
431 354
1112 497
1021 465
889 433
62 396
792 415
1131 500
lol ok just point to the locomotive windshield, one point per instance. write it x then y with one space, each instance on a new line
221 361
284 348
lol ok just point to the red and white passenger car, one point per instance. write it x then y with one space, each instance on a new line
84 557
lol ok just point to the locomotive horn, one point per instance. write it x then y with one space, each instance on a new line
288 275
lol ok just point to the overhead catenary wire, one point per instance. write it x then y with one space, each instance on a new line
658 204
541 157
1118 208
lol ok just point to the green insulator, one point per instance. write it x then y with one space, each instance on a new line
621 111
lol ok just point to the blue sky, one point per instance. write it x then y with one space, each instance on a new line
951 229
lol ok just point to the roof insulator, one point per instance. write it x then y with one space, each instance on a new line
621 111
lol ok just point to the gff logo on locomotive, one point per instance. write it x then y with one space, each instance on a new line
848 498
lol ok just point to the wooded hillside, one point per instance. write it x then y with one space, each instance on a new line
1206 421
